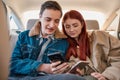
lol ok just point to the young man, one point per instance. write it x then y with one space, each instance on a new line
29 59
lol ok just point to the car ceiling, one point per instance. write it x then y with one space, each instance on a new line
104 6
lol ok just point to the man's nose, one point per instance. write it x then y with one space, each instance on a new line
52 24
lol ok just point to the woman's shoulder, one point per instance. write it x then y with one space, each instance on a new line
98 33
99 36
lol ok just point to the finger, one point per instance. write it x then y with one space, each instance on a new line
54 64
62 65
61 68
79 71
54 70
101 78
94 73
98 76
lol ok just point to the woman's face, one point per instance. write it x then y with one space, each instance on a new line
73 27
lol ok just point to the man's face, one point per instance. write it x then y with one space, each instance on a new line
49 21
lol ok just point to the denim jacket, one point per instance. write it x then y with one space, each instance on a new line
24 57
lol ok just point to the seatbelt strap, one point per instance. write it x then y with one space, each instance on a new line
110 19
43 48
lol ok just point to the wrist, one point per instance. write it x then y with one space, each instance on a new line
44 68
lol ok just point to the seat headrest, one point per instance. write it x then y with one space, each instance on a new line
31 23
92 25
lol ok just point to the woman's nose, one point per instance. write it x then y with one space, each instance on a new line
71 29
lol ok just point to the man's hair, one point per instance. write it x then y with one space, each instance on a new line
50 5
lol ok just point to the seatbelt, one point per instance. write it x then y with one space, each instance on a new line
110 19
43 48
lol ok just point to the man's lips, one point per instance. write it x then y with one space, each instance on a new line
50 29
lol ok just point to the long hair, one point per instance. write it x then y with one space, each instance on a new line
83 40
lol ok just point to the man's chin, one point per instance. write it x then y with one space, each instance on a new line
49 33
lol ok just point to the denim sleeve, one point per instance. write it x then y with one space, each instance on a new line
20 64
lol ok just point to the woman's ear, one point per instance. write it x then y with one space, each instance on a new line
82 23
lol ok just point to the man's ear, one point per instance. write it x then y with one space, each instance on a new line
40 17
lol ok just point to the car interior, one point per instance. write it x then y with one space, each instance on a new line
19 15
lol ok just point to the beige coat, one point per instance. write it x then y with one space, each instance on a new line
105 56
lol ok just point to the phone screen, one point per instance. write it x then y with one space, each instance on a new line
57 56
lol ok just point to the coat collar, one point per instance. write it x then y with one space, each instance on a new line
35 30
90 35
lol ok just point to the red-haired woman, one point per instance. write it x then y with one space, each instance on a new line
100 49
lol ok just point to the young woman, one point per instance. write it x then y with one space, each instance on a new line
99 48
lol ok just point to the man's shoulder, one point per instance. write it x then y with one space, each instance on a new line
24 34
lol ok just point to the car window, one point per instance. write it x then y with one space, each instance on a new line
88 15
114 25
13 25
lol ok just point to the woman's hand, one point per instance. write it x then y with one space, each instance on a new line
57 67
98 76
79 71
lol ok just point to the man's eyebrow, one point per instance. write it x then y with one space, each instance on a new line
47 17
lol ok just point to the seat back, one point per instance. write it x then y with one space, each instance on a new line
30 23
90 24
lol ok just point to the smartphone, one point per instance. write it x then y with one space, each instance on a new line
57 56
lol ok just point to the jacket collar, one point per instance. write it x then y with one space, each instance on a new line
35 30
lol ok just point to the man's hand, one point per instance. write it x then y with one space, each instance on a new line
45 68
57 67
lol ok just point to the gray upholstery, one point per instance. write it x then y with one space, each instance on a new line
92 25
30 23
